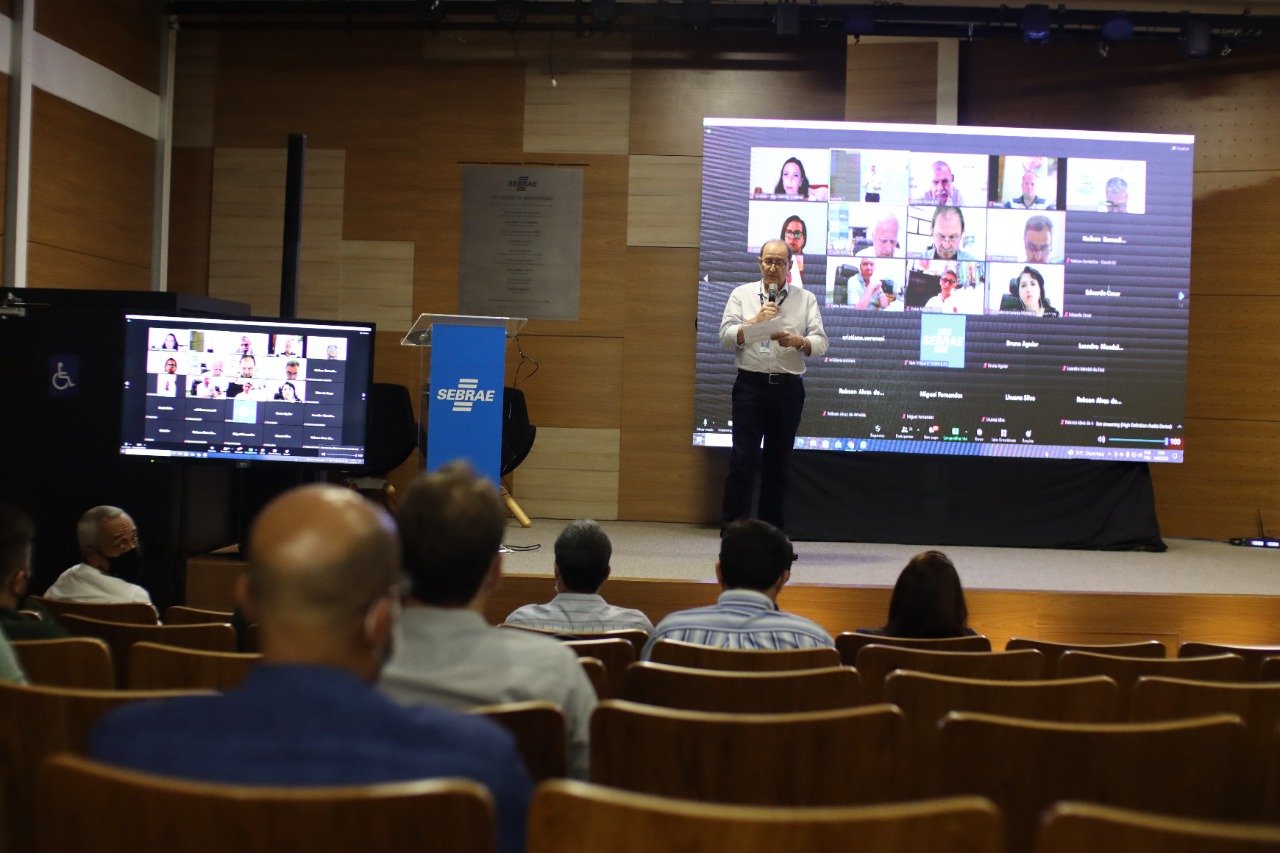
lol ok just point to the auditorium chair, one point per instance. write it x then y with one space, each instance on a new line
577 817
1125 671
849 643
875 662
789 691
616 655
1258 704
178 614
134 612
539 731
120 636
1053 651
1071 827
926 698
518 434
1183 767
1253 655
83 662
85 805
598 675
155 666
635 637
1269 669
678 653
35 722
816 758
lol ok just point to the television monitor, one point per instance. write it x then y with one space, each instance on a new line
291 391
1065 336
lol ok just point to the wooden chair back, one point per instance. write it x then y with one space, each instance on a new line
83 662
1024 766
133 612
634 636
1253 655
1125 671
120 811
597 675
817 758
119 636
1073 827
742 692
1269 669
849 643
615 653
153 666
576 817
1258 704
875 662
539 730
926 698
178 614
1053 651
677 653
35 722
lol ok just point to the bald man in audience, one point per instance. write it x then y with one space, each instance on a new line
321 583
16 536
446 654
111 561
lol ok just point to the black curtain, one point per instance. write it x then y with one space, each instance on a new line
932 500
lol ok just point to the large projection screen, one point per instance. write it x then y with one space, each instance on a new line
1065 335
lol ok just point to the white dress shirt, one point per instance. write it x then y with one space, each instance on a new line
799 310
89 585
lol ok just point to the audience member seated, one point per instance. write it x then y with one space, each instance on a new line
581 567
111 561
445 653
16 535
754 565
321 582
10 670
927 601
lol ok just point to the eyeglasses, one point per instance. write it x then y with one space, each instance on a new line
773 263
1038 247
792 233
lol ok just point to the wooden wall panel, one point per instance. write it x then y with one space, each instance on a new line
376 283
664 477
1231 214
1245 327
4 150
665 200
577 381
569 473
190 205
385 195
54 266
122 35
678 80
247 227
891 80
588 107
194 83
91 191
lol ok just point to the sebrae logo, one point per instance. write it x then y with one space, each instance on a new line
521 184
466 395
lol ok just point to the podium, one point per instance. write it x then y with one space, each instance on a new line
462 367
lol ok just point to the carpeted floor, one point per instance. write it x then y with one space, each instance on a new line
688 552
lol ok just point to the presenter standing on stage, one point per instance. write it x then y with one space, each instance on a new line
768 395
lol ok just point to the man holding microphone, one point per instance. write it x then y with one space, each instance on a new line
768 394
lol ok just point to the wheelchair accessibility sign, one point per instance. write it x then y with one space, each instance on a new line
64 375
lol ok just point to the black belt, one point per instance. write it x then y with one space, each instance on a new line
768 378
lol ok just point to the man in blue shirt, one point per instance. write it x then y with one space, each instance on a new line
321 580
755 563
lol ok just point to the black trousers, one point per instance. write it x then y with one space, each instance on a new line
765 406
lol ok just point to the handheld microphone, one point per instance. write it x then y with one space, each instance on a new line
773 292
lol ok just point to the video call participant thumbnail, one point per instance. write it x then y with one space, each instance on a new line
884 239
948 236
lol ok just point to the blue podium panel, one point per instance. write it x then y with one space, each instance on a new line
465 412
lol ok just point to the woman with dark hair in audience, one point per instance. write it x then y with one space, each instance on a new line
927 602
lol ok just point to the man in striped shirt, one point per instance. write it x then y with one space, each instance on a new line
755 563
583 550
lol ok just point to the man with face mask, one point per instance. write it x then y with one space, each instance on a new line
111 561
321 584
16 535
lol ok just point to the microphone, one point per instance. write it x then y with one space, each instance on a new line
773 292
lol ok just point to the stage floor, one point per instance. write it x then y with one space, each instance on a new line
688 552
